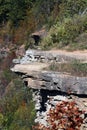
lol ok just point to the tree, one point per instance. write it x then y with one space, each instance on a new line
14 10
73 7
3 11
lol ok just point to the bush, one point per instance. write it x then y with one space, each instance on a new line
66 116
30 43
64 33
80 42
23 117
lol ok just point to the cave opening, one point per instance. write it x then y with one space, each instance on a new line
37 39
45 94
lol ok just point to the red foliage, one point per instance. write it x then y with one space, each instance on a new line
65 116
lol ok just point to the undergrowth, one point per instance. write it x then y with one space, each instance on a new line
66 33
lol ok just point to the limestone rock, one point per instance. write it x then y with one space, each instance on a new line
48 56
34 73
39 79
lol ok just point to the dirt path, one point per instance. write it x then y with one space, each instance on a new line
69 52
77 54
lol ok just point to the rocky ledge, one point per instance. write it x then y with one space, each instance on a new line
51 56
51 80
32 67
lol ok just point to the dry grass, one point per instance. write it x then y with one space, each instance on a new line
75 68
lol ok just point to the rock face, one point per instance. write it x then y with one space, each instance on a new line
60 82
34 74
53 81
49 87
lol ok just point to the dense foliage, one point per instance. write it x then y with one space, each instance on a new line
13 10
16 107
65 20
70 23
16 10
16 104
67 32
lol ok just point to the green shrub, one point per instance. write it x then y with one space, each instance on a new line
23 117
64 33
30 43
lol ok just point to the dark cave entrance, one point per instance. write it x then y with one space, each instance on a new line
45 93
37 39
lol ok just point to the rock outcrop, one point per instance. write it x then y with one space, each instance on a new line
50 56
34 73
50 87
51 80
